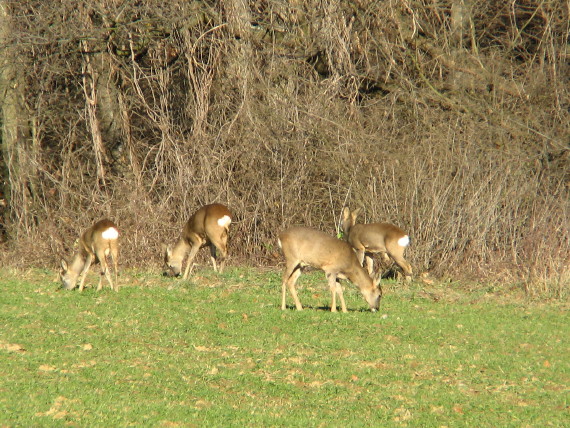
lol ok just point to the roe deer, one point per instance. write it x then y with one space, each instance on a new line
304 246
208 226
383 238
96 243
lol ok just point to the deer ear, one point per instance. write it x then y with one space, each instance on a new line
355 214
377 284
376 278
63 264
345 213
168 251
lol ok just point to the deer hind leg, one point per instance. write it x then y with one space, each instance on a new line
341 297
290 277
115 257
398 257
336 288
221 245
83 274
104 271
406 267
213 257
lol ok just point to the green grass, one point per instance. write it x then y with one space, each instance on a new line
218 351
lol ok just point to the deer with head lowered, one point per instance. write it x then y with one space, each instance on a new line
96 243
207 226
304 246
384 238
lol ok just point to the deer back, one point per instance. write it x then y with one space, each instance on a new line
371 236
208 221
375 236
315 248
103 235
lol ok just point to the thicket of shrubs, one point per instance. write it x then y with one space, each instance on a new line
449 119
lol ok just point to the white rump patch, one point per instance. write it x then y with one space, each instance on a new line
404 241
110 233
224 221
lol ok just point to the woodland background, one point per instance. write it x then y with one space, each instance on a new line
449 118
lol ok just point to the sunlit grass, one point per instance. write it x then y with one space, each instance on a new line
217 350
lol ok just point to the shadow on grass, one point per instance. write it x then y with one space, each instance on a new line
323 309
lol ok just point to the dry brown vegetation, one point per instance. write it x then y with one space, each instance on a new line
449 118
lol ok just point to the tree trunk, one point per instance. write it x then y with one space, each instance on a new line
90 79
240 58
18 151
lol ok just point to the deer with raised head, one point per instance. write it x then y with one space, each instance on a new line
207 226
304 246
384 238
96 243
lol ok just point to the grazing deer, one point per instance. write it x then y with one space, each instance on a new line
96 243
208 226
304 246
384 238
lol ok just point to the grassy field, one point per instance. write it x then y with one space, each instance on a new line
218 351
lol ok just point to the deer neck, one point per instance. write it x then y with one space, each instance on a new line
77 263
360 278
180 249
